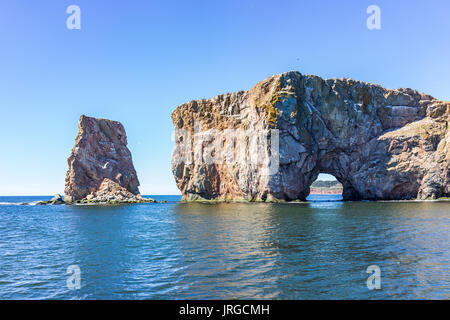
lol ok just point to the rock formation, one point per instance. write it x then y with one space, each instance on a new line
378 143
57 199
100 165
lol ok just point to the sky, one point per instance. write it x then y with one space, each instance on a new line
136 61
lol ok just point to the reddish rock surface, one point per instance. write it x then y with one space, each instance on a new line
100 153
325 190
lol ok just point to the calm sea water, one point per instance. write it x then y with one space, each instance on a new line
316 250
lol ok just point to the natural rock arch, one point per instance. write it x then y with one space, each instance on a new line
379 143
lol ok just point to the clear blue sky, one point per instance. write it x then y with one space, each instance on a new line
135 61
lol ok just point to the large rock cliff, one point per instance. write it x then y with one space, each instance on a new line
272 141
100 165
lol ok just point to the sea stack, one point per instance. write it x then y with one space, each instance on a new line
100 165
380 144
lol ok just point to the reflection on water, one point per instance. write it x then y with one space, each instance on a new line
229 247
315 250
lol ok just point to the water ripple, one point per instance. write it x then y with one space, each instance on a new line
226 251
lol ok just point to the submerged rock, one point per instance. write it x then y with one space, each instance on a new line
272 141
100 165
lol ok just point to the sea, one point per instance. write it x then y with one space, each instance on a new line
323 249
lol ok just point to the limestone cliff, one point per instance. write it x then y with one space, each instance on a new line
100 165
378 143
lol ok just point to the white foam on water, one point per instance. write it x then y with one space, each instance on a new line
11 203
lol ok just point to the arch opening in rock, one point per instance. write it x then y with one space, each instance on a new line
325 188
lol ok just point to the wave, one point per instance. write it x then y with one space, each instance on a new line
19 203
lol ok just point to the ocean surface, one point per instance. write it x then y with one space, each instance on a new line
173 250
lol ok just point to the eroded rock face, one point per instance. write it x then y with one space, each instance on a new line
100 157
378 143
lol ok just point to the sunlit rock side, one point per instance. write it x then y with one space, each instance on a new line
100 165
378 143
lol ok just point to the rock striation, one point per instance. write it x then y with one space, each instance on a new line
100 165
380 144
